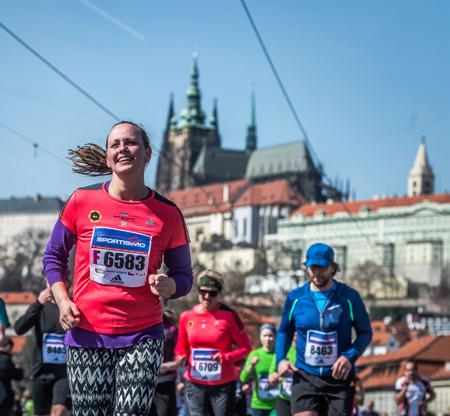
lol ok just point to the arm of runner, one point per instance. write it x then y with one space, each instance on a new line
401 388
240 339
247 369
57 253
171 366
162 285
273 375
361 323
177 256
28 319
285 331
341 368
182 349
431 395
69 315
179 265
286 368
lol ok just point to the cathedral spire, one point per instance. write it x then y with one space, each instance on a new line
170 113
251 139
192 114
214 119
421 176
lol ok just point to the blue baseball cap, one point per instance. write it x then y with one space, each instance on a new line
319 254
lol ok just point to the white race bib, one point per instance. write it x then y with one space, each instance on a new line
286 386
321 348
119 257
265 389
53 349
203 367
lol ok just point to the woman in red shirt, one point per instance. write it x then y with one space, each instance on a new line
211 342
123 231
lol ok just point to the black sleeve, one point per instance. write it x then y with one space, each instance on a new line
8 370
29 319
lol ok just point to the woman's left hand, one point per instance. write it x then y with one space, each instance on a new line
162 285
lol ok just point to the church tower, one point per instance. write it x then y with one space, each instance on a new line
251 139
183 140
421 177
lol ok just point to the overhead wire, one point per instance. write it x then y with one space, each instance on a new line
293 110
49 103
59 72
35 145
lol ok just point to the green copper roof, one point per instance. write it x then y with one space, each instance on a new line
192 115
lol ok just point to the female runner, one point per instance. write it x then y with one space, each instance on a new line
122 231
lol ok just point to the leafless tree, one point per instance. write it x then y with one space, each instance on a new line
21 262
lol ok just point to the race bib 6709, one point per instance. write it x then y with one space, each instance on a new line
119 257
203 365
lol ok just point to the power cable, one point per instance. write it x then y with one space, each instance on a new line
51 104
60 73
83 92
292 108
278 79
35 144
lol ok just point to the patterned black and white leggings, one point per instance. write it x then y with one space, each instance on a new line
114 381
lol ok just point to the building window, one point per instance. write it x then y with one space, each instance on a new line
341 257
244 227
296 259
424 252
385 254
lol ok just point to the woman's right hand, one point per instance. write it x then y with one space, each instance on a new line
274 378
69 315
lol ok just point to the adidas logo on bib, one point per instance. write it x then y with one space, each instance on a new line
116 279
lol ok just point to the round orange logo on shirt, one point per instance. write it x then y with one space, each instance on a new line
190 324
95 216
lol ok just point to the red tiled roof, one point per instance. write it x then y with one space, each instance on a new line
372 204
269 193
442 374
430 352
207 199
18 298
421 348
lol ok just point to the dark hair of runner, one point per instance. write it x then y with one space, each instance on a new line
90 159
336 268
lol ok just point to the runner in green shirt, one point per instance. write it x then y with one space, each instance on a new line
283 402
257 368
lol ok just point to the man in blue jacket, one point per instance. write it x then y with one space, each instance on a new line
323 313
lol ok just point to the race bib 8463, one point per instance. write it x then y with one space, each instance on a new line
321 348
119 257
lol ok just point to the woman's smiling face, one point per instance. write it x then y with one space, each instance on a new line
126 152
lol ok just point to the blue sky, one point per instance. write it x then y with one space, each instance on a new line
367 78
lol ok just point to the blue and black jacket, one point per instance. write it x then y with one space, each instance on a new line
343 311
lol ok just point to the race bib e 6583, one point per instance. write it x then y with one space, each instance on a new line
119 257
